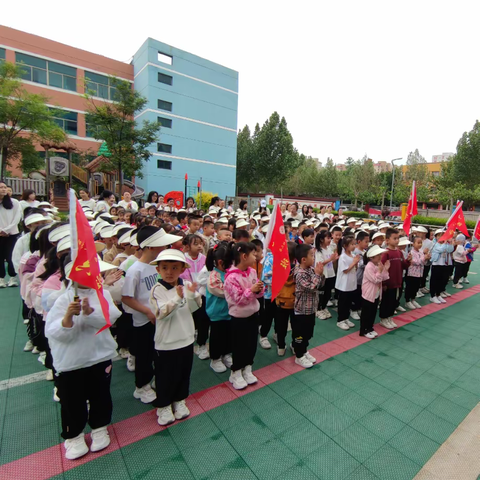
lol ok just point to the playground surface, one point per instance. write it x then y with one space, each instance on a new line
377 409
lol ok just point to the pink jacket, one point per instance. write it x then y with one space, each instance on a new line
372 282
242 302
191 274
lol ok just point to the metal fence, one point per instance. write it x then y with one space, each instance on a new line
18 185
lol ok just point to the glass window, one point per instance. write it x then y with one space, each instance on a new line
47 73
165 122
100 85
164 164
164 105
2 54
167 79
92 132
164 148
67 121
164 58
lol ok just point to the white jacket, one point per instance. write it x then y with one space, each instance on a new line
174 325
80 346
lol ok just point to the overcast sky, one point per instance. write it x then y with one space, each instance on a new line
351 77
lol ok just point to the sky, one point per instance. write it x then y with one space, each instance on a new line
380 78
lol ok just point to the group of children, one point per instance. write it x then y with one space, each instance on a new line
175 284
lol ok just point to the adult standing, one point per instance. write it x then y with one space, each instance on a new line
106 202
190 205
28 199
127 203
152 199
10 216
85 200
294 213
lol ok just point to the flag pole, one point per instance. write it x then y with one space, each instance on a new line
76 298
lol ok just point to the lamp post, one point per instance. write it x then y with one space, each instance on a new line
393 179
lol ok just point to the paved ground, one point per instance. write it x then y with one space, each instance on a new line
369 410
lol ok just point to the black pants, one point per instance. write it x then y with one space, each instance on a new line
302 332
281 324
389 302
367 318
467 269
426 271
202 323
400 292
143 338
412 285
78 386
357 299
345 301
438 280
268 316
326 293
244 341
172 375
460 271
220 338
6 250
124 330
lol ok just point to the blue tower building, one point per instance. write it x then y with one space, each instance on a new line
196 102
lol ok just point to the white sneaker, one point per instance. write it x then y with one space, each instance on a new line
435 300
466 280
131 363
343 325
100 439
248 376
443 295
373 332
35 351
419 294
410 305
49 375
320 315
180 410
227 360
392 323
165 416
355 316
416 304
264 343
203 353
458 285
304 362
26 321
349 323
146 394
401 309
460 280
218 366
2 283
56 398
327 313
28 346
123 352
442 300
75 447
385 322
446 294
42 357
237 380
310 357
13 282
275 338
425 290
330 304
370 335
280 352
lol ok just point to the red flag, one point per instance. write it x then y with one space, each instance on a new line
411 209
277 243
476 232
85 270
455 222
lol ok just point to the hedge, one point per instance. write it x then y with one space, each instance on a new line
441 222
354 214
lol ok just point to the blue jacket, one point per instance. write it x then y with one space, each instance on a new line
440 248
216 306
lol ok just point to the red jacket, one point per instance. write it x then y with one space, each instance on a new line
397 265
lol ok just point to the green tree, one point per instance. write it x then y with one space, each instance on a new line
416 169
114 123
25 120
467 160
328 180
246 168
358 180
304 181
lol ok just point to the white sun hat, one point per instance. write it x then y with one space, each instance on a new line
350 220
341 222
374 251
295 224
125 238
36 217
159 239
100 247
378 234
420 229
309 223
100 224
384 225
264 229
222 220
58 233
404 241
103 266
64 244
439 230
241 223
171 255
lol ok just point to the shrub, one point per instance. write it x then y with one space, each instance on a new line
204 202
354 214
440 222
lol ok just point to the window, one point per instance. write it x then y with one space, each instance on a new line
47 73
2 54
164 164
164 58
164 105
100 85
66 121
92 132
167 79
165 122
164 148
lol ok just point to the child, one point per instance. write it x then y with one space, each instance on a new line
391 293
285 304
193 224
360 249
208 236
242 290
82 358
325 256
440 271
471 250
193 248
173 301
378 239
224 234
217 309
374 274
460 260
308 282
346 281
308 236
139 280
415 274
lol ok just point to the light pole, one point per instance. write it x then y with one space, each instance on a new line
393 180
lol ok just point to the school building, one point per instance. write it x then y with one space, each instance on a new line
195 101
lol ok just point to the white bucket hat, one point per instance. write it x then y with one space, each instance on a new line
241 223
404 241
172 255
378 234
374 251
351 220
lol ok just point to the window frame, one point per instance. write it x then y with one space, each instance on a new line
164 162
165 102
159 150
168 120
111 89
165 76
61 122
